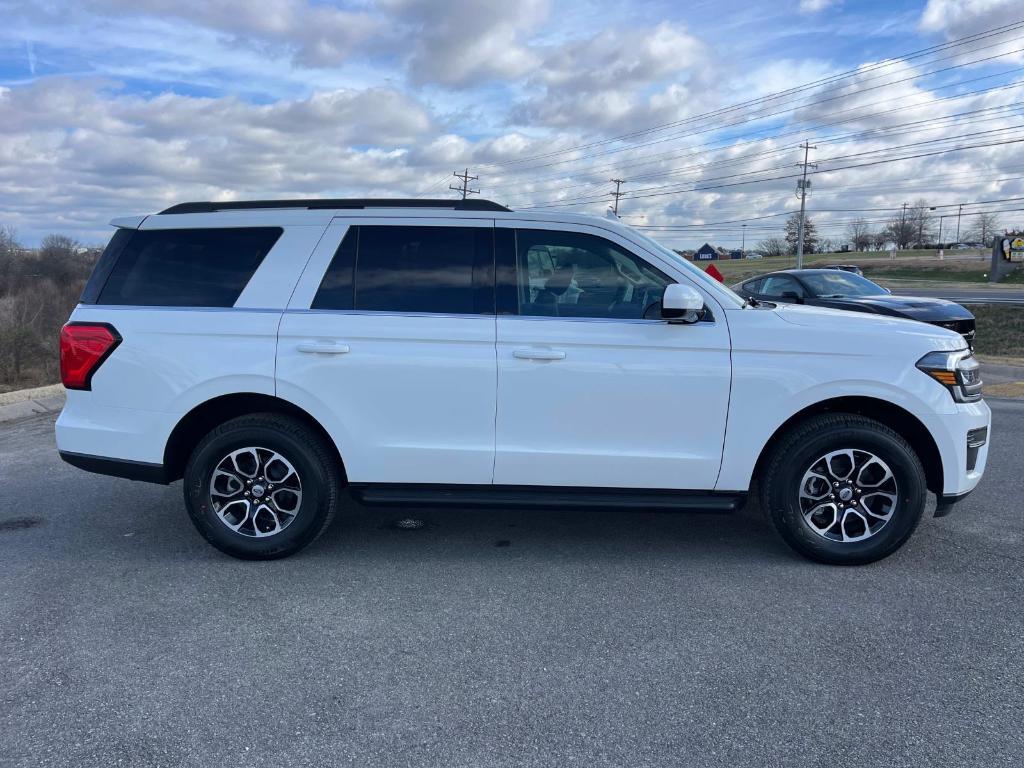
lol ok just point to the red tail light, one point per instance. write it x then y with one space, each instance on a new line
83 348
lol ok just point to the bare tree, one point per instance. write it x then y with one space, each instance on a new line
8 254
983 228
57 258
772 246
921 223
859 233
880 238
901 230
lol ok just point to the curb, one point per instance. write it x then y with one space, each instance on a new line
31 402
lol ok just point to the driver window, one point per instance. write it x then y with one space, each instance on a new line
570 274
777 285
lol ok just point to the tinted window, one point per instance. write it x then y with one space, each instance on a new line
335 290
105 265
776 285
570 274
754 286
839 284
187 267
425 269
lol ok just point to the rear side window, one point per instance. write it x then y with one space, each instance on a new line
185 267
445 270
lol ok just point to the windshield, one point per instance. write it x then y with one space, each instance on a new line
720 290
840 285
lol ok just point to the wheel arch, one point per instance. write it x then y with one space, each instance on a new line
191 428
901 420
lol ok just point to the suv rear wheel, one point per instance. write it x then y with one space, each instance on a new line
844 489
261 486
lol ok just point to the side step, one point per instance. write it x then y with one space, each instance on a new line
543 496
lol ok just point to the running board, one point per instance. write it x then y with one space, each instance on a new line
543 496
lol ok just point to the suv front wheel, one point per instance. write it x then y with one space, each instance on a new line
261 486
844 489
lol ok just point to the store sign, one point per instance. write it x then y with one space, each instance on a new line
1013 248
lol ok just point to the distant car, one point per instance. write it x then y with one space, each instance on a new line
844 290
846 268
753 255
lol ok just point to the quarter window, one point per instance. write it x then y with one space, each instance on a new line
186 267
571 274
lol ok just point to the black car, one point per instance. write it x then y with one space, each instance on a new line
845 290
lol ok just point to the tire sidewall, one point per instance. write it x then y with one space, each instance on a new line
788 517
312 511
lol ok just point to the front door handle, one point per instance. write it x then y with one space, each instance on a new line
322 347
538 354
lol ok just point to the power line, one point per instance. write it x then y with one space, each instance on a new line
643 193
757 117
862 116
966 40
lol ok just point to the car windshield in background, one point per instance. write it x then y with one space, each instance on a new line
840 285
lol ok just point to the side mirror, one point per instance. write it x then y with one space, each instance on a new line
682 304
792 296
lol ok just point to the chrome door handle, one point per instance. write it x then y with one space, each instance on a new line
322 347
538 354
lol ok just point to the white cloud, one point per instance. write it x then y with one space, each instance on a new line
620 80
814 6
317 35
959 18
465 41
167 101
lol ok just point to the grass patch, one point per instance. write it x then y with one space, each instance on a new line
1000 329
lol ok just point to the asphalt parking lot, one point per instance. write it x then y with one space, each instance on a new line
499 638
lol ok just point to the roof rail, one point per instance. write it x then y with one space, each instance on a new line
329 203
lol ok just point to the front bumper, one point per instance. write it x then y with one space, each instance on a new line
957 436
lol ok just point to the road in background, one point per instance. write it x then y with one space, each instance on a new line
965 295
499 638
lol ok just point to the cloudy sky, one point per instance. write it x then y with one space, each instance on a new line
116 107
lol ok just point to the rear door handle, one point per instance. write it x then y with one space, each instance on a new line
322 347
538 354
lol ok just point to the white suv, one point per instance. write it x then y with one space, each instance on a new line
278 355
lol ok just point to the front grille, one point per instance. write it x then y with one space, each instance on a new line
964 327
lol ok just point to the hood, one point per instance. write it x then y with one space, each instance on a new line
842 324
916 307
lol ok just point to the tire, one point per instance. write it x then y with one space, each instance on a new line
794 477
249 517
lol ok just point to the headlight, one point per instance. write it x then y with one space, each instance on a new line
959 372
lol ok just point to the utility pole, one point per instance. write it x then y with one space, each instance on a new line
743 247
802 185
617 194
903 226
464 187
958 212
